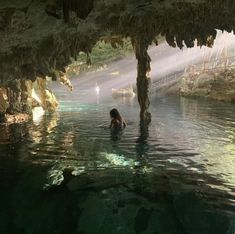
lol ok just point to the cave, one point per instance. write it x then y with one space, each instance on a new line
171 167
28 29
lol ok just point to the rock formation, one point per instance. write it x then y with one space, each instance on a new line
18 99
218 84
35 44
39 37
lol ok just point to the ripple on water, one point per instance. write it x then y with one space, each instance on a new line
189 147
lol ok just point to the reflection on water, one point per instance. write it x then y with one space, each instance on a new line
67 174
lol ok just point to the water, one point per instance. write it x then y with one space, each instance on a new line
67 174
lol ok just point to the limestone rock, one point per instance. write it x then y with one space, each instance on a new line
203 79
3 100
218 85
47 98
51 103
17 118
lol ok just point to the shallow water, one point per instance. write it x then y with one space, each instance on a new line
66 173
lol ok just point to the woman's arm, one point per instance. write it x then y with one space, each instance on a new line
111 124
124 123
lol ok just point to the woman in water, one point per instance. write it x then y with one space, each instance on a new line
117 122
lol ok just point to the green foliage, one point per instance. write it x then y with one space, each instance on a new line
101 54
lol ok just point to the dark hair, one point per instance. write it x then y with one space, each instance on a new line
115 114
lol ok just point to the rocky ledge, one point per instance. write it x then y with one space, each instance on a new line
218 84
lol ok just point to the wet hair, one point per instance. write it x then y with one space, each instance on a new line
115 114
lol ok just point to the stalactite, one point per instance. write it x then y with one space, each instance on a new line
66 9
51 7
143 79
48 99
65 81
3 103
26 96
42 93
14 96
81 7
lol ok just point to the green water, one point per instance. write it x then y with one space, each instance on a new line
68 174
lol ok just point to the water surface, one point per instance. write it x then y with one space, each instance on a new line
66 173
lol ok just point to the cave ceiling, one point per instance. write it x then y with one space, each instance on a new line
39 37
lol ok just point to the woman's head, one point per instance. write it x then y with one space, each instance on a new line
114 114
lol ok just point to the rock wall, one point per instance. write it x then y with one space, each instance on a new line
36 42
218 84
17 100
3 103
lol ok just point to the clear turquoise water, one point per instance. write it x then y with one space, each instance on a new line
68 174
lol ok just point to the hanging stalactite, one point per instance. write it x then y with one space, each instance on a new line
26 97
143 79
81 7
14 96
